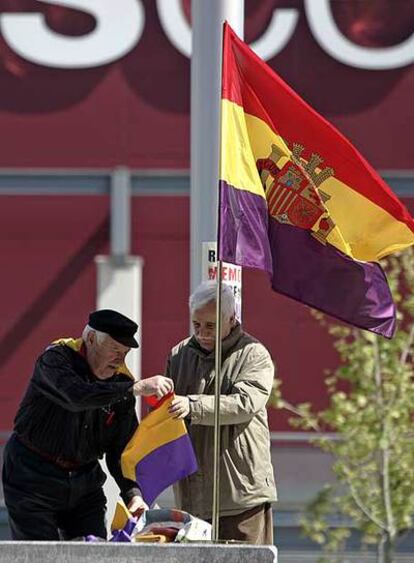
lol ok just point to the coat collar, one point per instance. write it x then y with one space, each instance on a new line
78 346
226 345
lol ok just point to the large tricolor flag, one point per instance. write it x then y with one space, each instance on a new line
298 200
159 453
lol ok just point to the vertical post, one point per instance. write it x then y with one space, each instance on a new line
120 275
207 21
208 18
120 213
119 286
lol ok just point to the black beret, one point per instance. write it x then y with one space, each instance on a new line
118 326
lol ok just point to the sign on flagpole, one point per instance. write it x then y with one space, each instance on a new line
231 274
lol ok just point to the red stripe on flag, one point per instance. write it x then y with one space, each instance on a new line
250 83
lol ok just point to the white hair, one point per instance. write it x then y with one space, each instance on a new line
206 293
100 336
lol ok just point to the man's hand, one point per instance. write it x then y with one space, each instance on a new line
180 407
157 385
137 506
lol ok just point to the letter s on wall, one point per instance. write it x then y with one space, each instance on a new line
119 26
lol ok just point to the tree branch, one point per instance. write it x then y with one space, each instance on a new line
289 407
386 488
364 509
385 462
407 347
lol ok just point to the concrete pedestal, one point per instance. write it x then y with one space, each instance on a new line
68 552
119 287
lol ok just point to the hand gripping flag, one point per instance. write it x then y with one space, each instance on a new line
298 201
159 453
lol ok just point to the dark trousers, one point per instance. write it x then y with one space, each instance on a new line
45 502
253 526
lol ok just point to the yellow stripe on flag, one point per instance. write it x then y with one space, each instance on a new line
357 218
157 428
246 139
121 516
238 162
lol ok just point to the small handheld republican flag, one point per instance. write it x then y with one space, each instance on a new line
159 453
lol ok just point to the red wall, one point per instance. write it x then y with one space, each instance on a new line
47 247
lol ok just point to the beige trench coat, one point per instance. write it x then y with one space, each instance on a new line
246 473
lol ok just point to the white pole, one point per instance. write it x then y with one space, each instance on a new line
119 287
207 20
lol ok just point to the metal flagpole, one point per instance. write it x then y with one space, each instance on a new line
217 381
217 390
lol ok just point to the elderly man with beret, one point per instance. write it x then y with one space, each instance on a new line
79 405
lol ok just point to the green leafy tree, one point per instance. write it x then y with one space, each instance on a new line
370 410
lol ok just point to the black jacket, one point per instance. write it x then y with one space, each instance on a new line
68 412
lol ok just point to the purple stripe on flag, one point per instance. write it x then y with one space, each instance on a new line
243 229
164 466
322 277
302 268
124 535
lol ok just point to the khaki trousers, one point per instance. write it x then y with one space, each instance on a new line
253 526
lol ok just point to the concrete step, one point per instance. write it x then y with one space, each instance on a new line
78 552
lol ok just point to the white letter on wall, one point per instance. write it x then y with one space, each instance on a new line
277 35
119 25
329 37
273 40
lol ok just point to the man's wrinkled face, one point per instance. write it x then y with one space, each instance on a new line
106 357
204 325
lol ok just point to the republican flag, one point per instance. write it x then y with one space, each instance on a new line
159 453
298 200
